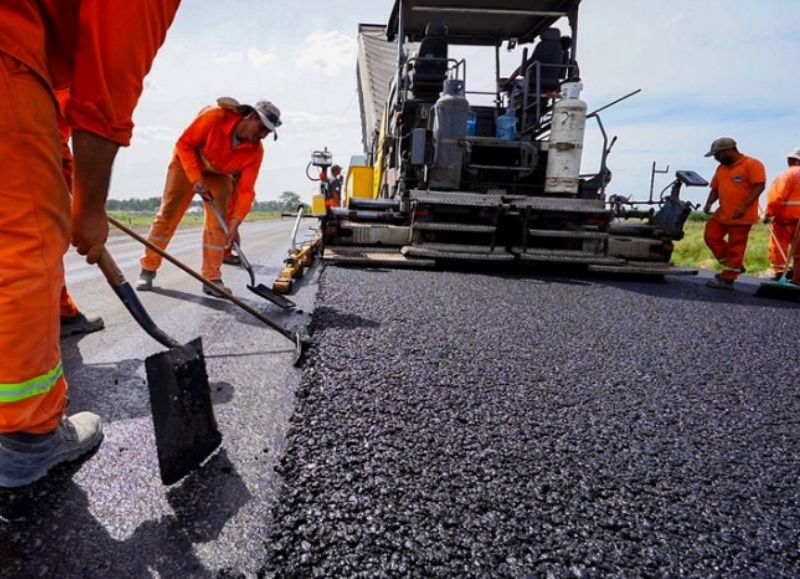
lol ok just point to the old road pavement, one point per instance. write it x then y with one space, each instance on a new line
112 517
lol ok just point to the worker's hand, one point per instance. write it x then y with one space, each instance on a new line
707 209
766 219
89 232
200 188
739 213
233 231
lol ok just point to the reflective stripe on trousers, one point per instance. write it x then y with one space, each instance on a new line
33 387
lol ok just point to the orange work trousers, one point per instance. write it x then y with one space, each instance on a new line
34 235
178 194
729 252
779 242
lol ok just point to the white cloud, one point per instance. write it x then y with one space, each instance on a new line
260 59
151 133
304 120
329 53
229 58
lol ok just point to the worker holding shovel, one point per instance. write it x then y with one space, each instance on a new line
44 46
783 214
221 147
737 183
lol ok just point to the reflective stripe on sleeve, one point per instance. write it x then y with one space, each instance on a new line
41 384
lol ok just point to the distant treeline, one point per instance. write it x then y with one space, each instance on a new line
288 202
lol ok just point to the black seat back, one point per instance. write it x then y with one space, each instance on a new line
430 69
549 51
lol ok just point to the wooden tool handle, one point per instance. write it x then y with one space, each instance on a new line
110 269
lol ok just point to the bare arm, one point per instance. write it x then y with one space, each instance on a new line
94 157
757 189
712 198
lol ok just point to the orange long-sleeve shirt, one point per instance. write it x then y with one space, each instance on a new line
783 197
101 49
209 141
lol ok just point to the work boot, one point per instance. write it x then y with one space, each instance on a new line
25 458
720 283
145 280
217 294
80 324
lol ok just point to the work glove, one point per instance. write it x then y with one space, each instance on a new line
89 232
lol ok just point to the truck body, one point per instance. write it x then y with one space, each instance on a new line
453 180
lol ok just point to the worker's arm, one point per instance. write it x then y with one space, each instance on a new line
775 197
712 198
757 190
117 42
94 157
246 194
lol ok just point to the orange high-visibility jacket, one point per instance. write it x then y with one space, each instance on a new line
207 145
82 44
733 184
783 197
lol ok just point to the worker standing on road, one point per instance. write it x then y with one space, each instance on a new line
737 183
334 188
220 147
73 321
102 52
783 214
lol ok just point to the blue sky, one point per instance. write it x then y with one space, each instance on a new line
706 69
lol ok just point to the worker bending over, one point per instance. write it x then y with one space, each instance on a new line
737 183
101 51
783 216
221 147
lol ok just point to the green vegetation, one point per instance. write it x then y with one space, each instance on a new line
287 202
144 220
692 251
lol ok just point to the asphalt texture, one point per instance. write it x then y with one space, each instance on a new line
109 515
458 424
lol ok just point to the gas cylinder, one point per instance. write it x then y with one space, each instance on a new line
449 129
566 142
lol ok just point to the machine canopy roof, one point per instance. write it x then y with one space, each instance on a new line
480 22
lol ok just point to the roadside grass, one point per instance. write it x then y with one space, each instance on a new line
692 251
143 220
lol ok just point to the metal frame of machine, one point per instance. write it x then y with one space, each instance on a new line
453 181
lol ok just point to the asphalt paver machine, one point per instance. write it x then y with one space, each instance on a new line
444 178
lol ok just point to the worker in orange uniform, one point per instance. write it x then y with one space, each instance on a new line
737 183
783 215
221 147
102 51
73 321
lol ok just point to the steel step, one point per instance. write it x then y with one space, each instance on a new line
567 256
568 234
457 252
463 227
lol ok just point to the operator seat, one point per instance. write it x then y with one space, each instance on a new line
549 51
430 71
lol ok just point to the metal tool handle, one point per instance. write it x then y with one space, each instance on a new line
116 279
236 246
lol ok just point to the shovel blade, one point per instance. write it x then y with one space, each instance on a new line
183 416
271 295
779 290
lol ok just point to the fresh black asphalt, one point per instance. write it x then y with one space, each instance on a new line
465 424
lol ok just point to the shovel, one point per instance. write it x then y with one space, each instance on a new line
300 340
180 397
261 290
